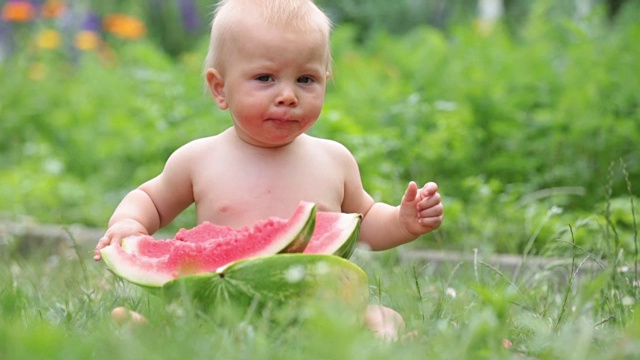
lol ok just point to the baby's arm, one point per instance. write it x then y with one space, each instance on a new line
385 226
420 211
152 205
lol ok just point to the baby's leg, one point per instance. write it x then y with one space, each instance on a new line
385 323
123 315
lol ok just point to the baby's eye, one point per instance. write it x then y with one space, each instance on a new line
305 79
264 78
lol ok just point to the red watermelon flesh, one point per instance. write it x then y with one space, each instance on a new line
149 262
207 231
207 235
260 232
155 271
334 233
147 246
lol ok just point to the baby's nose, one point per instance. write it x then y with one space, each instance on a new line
287 97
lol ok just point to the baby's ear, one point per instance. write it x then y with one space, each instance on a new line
216 87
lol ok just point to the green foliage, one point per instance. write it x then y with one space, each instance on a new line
177 30
532 138
519 132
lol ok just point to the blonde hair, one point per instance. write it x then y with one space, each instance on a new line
298 15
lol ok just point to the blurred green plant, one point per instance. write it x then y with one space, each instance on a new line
510 127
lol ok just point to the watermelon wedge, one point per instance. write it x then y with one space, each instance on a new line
151 263
335 233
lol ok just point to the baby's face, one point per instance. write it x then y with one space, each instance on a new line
273 82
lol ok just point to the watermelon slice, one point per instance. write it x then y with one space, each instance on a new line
335 233
149 262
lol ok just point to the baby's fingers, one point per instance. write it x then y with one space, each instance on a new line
432 211
429 202
428 190
411 193
102 243
431 222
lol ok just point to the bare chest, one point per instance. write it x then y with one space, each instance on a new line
236 192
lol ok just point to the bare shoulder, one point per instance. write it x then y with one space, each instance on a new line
182 165
330 147
337 158
201 144
195 149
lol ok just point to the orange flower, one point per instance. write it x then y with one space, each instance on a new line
18 11
87 40
52 9
48 39
124 26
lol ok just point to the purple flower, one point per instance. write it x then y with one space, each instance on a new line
91 22
189 13
6 45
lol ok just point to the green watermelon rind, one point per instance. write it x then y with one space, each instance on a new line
110 253
276 279
346 250
301 241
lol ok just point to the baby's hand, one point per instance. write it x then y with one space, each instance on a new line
421 210
117 232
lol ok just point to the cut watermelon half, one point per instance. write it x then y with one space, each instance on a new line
149 262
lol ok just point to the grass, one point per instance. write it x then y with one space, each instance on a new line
55 303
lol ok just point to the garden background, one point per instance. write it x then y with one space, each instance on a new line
527 114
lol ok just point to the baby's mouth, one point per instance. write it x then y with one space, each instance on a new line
282 121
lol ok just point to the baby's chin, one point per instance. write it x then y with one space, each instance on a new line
270 142
276 134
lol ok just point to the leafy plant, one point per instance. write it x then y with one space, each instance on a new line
510 127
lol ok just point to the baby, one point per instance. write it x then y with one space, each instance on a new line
268 64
